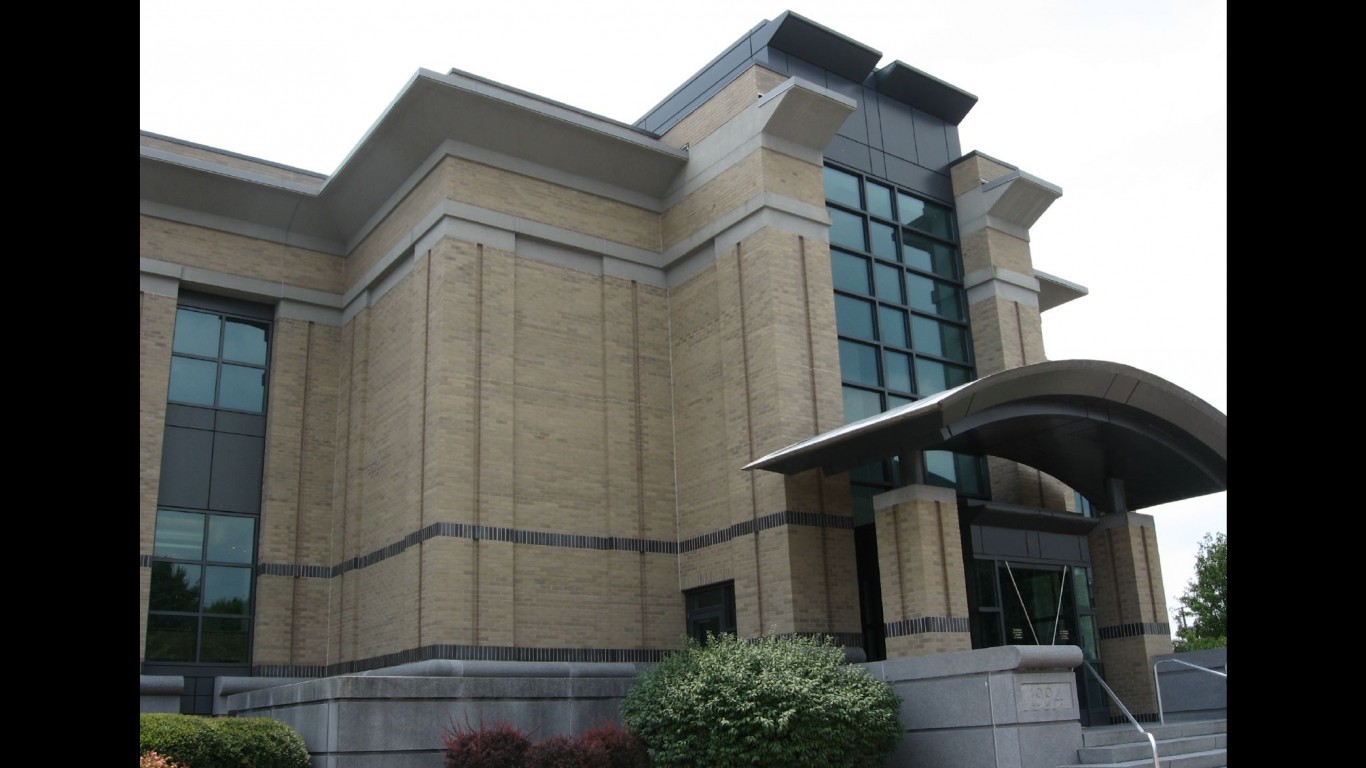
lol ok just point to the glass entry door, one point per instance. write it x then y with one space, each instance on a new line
1036 608
1026 603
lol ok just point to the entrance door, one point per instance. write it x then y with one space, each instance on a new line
1030 603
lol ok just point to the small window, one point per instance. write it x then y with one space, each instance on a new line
710 610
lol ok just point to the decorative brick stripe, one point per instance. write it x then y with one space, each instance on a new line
461 653
282 569
542 538
775 520
1136 629
144 561
925 624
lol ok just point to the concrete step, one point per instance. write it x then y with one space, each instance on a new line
1194 744
1217 758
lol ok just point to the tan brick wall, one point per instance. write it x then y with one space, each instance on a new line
239 255
156 329
296 516
989 247
1129 671
727 103
726 192
1128 573
971 172
745 385
928 643
492 390
1005 334
922 561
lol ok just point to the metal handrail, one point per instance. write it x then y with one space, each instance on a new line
1152 742
1157 682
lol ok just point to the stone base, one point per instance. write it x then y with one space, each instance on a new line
1009 707
395 717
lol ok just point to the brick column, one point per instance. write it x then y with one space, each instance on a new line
1131 610
920 560
997 204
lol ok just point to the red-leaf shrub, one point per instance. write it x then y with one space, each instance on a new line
623 748
565 752
500 745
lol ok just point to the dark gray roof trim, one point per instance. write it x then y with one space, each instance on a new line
819 45
1085 422
924 91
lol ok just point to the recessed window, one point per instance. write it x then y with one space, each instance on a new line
710 610
219 361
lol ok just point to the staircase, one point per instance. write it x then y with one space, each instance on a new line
1194 744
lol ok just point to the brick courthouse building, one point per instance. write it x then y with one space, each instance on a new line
521 383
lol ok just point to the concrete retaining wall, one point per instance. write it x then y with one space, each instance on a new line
395 717
1010 707
1189 694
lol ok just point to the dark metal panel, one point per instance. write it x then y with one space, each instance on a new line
856 125
851 153
241 423
186 455
226 304
189 416
951 139
822 46
236 474
911 86
879 163
697 90
920 180
930 141
898 128
807 71
773 59
872 113
1004 541
1058 546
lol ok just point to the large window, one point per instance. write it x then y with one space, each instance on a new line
209 495
901 314
200 605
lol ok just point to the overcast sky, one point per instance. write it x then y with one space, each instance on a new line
1121 103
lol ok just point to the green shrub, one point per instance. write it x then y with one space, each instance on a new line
222 742
775 701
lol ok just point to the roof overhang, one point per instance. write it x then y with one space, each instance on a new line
1085 422
456 111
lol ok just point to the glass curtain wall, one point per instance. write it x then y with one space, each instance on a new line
901 317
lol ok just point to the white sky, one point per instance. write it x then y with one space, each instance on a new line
1122 103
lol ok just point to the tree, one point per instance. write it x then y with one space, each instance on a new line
1205 602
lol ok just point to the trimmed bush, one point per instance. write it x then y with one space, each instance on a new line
221 742
775 701
500 745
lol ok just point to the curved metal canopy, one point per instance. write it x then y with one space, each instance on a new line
1085 422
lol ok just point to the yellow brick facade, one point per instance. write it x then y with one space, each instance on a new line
509 411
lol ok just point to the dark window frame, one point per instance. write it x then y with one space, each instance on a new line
722 612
